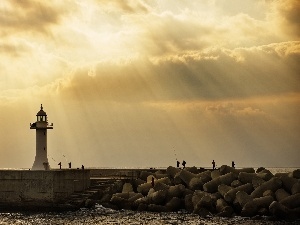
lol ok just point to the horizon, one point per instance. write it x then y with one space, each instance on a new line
139 83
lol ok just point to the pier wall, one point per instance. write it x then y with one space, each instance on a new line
44 186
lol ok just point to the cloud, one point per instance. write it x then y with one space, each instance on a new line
216 74
12 49
234 110
126 6
289 16
29 16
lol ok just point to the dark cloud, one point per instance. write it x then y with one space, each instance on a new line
289 10
29 16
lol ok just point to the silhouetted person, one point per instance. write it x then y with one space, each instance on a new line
213 164
70 165
232 164
152 181
59 165
82 167
178 163
183 164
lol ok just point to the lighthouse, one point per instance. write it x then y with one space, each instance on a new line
41 126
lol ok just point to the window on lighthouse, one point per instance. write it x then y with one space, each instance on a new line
42 118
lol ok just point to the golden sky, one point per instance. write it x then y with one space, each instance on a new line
139 83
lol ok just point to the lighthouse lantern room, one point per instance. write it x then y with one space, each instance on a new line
41 126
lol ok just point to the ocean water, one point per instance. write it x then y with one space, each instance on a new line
101 215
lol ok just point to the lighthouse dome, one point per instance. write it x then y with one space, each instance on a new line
41 112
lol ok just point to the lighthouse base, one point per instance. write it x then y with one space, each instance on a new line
40 164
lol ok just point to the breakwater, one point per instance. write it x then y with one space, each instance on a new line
225 192
41 189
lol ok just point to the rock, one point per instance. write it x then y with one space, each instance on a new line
205 202
135 197
144 188
265 176
158 186
145 174
124 195
227 169
257 181
187 191
223 189
265 171
137 182
151 191
195 184
105 198
143 200
215 196
247 177
164 180
176 191
203 212
215 174
282 212
295 174
89 203
263 212
243 198
142 207
117 200
174 204
212 186
273 184
269 193
281 174
127 187
230 195
150 177
236 183
192 169
278 210
246 170
172 171
157 197
295 213
188 204
292 201
109 205
186 176
223 209
157 208
296 188
204 176
251 208
197 196
288 183
281 194
117 187
177 179
260 169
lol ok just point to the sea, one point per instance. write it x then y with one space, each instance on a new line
101 215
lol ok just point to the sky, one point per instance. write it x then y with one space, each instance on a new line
140 83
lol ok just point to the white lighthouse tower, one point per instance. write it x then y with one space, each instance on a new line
41 127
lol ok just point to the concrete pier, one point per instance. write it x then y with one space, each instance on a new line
40 188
